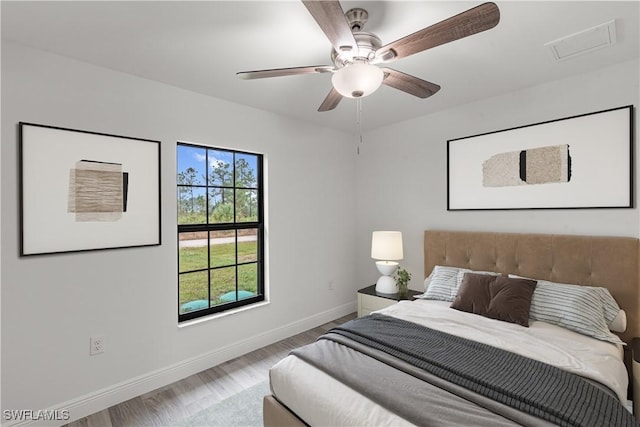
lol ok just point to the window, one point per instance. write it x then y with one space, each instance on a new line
220 230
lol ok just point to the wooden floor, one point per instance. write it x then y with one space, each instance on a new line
184 398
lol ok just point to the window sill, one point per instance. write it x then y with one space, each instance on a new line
222 314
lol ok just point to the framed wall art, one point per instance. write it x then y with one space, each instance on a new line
582 161
82 191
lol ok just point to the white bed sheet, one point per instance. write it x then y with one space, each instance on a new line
312 394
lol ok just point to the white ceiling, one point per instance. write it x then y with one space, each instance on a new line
200 46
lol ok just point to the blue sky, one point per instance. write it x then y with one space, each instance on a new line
195 157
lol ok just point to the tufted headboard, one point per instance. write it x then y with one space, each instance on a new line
611 262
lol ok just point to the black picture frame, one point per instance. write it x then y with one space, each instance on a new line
84 191
555 164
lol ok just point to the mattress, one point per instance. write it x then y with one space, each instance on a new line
321 400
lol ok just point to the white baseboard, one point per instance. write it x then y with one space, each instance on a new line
102 399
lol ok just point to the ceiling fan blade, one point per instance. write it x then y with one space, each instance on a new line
473 21
409 84
331 101
278 72
330 17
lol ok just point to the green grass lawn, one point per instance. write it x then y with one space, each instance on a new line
193 286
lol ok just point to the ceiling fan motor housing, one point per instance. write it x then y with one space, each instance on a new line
368 43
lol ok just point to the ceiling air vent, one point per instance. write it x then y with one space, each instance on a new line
585 41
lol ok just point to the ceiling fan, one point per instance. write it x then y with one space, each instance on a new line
356 53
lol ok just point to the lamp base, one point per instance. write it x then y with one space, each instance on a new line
386 285
386 268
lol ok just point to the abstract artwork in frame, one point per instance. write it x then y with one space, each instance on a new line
583 161
82 191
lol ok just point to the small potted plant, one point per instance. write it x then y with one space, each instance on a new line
402 279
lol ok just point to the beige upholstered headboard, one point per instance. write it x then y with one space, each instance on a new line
611 262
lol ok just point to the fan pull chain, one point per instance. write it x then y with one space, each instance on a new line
359 122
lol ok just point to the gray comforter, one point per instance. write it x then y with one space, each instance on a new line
484 385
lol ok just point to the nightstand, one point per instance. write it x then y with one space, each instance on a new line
369 300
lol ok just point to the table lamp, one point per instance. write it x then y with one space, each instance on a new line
386 246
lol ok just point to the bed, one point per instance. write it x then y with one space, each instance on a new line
350 377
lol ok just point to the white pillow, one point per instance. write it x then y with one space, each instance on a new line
587 310
427 280
619 324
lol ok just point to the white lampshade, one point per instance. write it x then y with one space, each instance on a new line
386 245
357 80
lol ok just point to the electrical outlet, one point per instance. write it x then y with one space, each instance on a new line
330 285
96 345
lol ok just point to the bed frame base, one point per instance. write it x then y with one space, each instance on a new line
275 414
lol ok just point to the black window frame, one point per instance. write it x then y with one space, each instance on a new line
228 226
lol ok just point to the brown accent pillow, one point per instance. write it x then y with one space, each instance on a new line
497 297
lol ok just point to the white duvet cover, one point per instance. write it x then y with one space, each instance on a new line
313 395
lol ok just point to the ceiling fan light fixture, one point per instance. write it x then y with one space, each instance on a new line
357 80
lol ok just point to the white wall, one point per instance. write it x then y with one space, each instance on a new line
52 304
319 193
402 169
